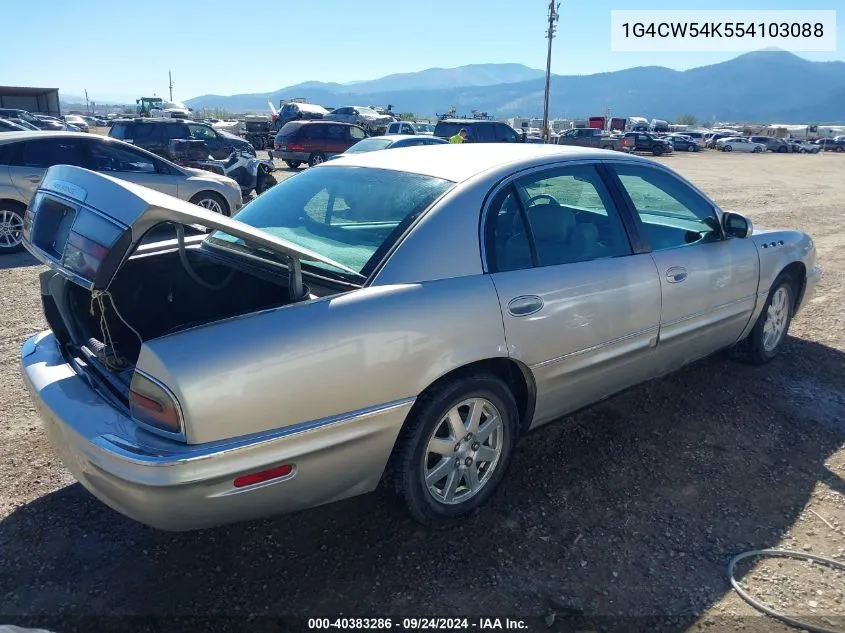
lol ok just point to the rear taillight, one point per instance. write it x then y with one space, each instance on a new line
276 146
151 404
296 148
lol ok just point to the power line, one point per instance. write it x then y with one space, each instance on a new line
550 34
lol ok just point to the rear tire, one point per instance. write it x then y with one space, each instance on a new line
293 164
424 456
11 226
782 150
211 201
769 333
840 150
316 158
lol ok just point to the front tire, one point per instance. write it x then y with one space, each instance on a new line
758 150
11 227
455 448
769 333
690 147
728 148
211 201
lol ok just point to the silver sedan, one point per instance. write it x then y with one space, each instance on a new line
401 317
25 157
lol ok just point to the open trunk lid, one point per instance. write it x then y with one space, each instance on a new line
84 225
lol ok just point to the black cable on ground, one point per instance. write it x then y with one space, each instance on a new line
782 553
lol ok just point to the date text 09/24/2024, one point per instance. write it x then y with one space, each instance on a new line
417 624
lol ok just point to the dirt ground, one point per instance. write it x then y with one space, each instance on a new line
623 517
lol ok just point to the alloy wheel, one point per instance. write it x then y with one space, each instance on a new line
463 451
11 229
777 316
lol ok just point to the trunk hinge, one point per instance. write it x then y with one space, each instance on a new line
295 286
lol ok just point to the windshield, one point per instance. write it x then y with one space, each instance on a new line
351 215
426 128
368 111
369 145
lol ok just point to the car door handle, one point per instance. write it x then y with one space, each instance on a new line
676 274
525 305
34 178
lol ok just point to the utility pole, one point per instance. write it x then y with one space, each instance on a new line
553 17
87 109
170 78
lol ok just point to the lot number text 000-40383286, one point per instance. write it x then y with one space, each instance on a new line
727 31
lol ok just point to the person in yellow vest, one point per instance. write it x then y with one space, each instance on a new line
460 137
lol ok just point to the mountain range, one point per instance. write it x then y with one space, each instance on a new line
769 85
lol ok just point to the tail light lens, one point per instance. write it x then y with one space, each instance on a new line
296 148
152 405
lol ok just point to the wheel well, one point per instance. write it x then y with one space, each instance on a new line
797 272
14 203
515 375
220 198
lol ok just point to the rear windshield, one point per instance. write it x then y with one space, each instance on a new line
351 215
369 145
291 128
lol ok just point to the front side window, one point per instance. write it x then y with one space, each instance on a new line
571 218
351 215
672 213
356 133
201 132
111 157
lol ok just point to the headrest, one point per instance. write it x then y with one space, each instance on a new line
551 222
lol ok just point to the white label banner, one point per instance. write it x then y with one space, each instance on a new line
798 31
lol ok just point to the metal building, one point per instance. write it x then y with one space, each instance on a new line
36 100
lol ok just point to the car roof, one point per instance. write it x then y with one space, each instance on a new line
463 161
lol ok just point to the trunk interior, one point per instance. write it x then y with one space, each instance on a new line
154 295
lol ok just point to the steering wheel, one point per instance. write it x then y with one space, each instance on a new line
542 196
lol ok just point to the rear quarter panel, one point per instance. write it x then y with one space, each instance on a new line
8 190
325 357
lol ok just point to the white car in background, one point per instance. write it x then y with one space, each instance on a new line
26 156
739 144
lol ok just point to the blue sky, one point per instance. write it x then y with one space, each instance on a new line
86 44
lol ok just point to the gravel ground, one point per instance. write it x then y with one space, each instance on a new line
613 517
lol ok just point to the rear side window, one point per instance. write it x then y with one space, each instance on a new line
48 152
7 151
504 133
175 130
314 131
446 129
484 134
140 132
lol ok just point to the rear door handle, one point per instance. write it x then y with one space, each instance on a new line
525 305
676 274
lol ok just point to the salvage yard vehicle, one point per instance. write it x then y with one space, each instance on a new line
314 142
26 156
591 137
402 317
739 144
155 135
391 141
367 118
648 142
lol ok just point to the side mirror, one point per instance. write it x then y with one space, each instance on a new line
737 225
